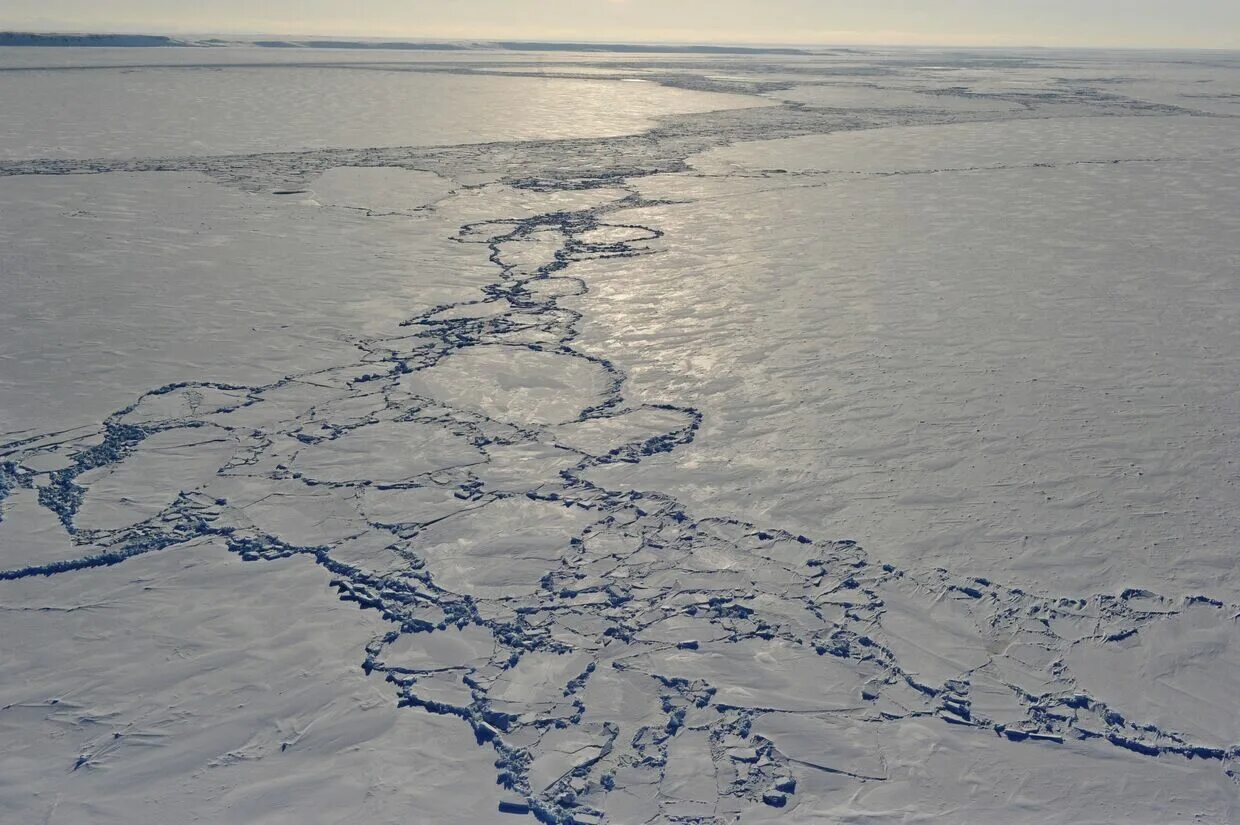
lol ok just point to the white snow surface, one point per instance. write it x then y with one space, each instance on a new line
481 438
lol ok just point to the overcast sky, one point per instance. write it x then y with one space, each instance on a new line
1171 23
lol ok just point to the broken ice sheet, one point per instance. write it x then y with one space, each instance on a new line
485 467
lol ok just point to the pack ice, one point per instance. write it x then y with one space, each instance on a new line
840 437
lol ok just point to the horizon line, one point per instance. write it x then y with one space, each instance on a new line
654 42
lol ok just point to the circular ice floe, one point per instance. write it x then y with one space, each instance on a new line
385 453
503 549
189 401
516 385
379 189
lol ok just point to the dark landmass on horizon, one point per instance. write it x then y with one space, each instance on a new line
148 40
98 40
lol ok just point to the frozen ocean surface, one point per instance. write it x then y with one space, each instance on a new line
482 437
178 110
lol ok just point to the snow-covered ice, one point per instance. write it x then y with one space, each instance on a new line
832 438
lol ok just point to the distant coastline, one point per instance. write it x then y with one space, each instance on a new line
97 40
149 40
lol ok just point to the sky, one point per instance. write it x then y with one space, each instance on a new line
1109 23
